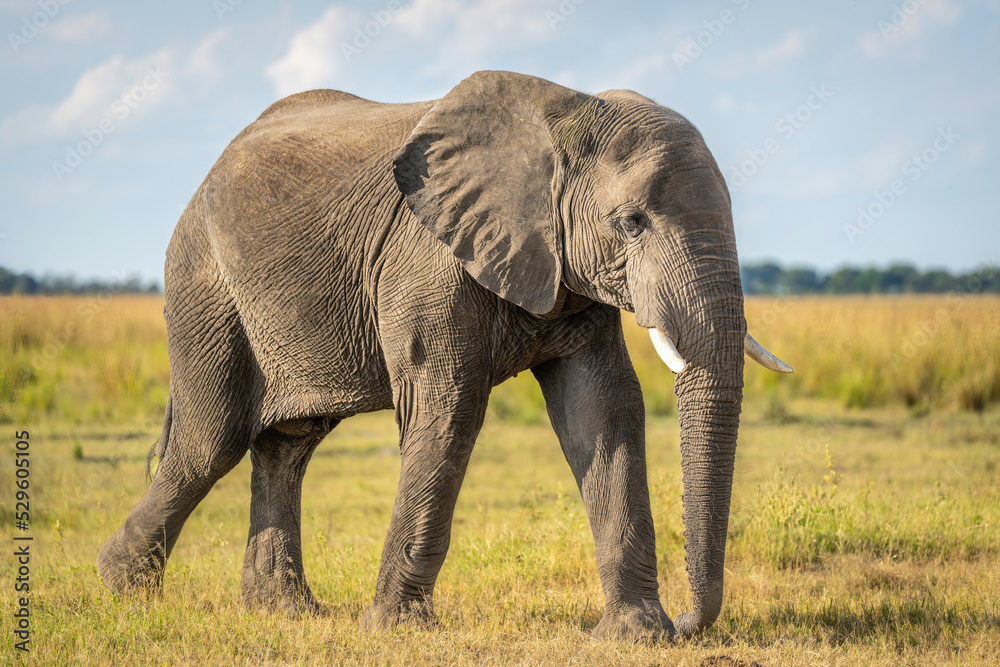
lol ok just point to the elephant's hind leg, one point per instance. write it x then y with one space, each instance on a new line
273 574
135 557
213 388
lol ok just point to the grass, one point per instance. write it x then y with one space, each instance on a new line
83 359
924 352
861 532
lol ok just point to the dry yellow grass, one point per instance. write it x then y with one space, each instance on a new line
926 352
859 535
81 359
108 356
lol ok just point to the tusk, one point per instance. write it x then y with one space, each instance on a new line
755 351
667 351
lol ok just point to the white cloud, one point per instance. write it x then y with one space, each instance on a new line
901 26
81 28
466 35
203 61
791 45
477 27
636 72
117 83
314 55
90 96
98 88
115 89
450 36
425 15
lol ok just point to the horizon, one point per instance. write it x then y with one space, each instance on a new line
860 138
985 275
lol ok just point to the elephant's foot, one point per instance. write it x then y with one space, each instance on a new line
413 613
690 623
129 566
301 603
645 622
287 594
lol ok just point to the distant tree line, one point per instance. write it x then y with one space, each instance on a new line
770 278
25 283
767 278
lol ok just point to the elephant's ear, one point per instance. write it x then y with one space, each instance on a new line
479 171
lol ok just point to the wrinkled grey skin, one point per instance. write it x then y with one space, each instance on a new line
345 256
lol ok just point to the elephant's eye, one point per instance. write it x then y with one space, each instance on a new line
632 225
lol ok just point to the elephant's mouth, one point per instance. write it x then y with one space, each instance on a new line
665 347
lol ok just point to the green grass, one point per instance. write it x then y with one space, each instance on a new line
899 564
83 359
858 536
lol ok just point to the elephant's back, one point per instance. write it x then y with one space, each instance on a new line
308 186
291 215
319 97
338 124
319 154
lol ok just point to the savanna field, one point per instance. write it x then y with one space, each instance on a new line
865 527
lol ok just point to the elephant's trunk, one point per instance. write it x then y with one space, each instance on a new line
709 410
709 391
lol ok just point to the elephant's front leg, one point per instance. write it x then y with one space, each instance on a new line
595 404
438 427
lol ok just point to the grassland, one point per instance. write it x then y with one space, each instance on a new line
865 525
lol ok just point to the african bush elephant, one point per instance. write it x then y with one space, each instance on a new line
346 256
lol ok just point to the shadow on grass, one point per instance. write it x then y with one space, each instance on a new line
900 623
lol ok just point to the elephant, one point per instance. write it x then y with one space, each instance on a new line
344 256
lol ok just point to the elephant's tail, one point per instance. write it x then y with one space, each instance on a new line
159 448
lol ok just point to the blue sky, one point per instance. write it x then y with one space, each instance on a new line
849 132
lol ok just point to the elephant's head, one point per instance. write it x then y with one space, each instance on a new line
533 185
